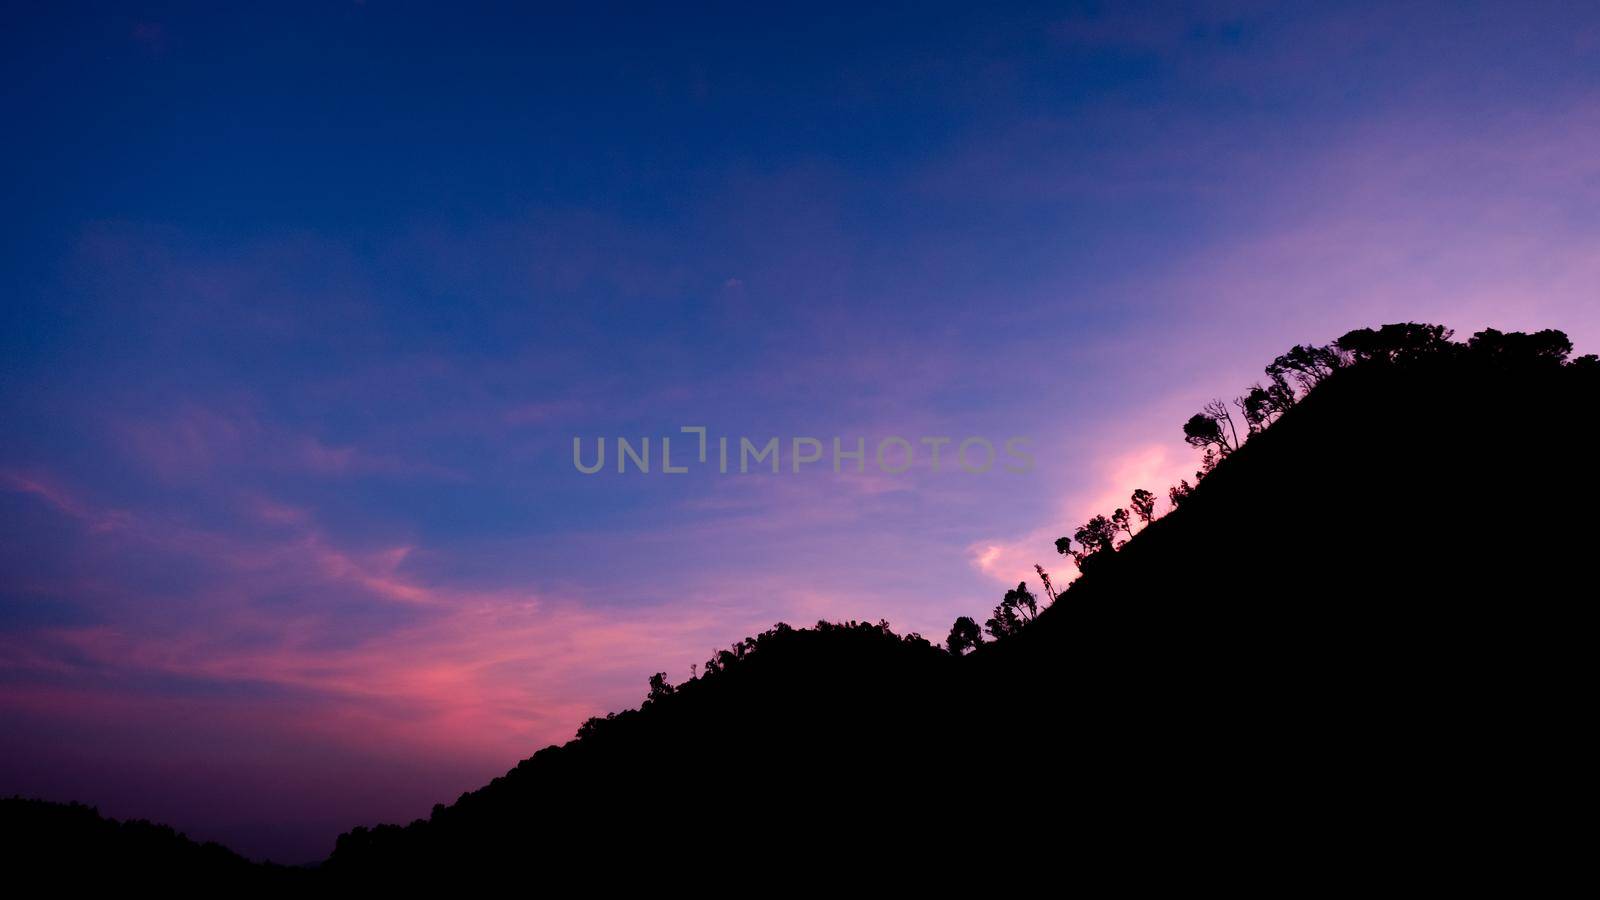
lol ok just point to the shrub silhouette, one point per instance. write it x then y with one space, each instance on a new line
964 636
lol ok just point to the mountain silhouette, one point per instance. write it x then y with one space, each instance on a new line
1356 643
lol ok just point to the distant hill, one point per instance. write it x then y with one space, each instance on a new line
73 845
1360 640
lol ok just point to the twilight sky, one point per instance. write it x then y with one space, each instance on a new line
303 306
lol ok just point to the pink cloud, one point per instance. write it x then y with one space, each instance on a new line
1152 465
483 673
64 501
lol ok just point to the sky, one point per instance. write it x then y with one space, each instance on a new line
302 306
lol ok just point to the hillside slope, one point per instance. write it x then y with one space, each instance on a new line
1360 642
1366 633
1359 636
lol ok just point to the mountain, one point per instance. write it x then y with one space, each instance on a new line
1358 638
1355 647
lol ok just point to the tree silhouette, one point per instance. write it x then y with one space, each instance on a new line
1122 521
1016 609
964 636
1548 347
1144 505
1307 365
1003 622
1212 427
1202 431
1263 404
1280 396
1179 493
1044 579
1024 601
1095 536
659 687
1396 342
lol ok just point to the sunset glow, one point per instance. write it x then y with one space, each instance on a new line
304 309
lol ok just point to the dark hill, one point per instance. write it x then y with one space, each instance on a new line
70 845
1364 638
1358 640
1359 643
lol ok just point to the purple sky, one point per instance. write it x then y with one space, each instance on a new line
301 315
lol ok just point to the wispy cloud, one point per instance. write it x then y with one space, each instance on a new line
198 441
